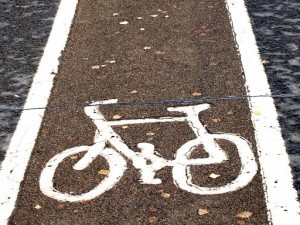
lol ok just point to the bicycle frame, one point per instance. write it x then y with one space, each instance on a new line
148 161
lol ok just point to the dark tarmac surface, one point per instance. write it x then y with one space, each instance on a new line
25 27
184 48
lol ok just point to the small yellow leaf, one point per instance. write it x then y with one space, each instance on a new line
103 172
95 67
124 22
150 133
159 53
256 112
214 176
214 63
264 61
117 117
244 215
153 219
202 212
37 207
165 195
73 157
196 94
216 120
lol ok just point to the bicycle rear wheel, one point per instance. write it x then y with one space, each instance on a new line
117 166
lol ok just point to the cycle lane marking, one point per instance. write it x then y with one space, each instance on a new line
17 156
181 173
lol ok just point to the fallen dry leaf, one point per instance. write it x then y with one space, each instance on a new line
134 91
124 127
154 16
214 63
159 53
117 117
37 207
152 209
139 18
216 120
244 215
264 61
229 113
142 28
150 133
60 206
202 212
103 172
95 67
73 157
147 48
214 176
165 195
160 190
196 94
116 14
256 112
124 22
153 219
86 202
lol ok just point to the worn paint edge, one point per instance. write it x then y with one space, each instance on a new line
280 194
19 151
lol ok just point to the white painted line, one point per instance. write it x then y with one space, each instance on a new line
148 120
15 163
281 197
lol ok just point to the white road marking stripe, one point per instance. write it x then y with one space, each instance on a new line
281 197
148 120
17 157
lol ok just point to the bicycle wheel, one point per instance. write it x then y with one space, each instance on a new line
183 178
117 166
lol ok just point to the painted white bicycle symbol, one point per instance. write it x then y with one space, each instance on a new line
147 161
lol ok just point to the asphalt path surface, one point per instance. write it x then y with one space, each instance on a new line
25 27
19 60
145 52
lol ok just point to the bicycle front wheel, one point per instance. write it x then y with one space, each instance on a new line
183 178
117 166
